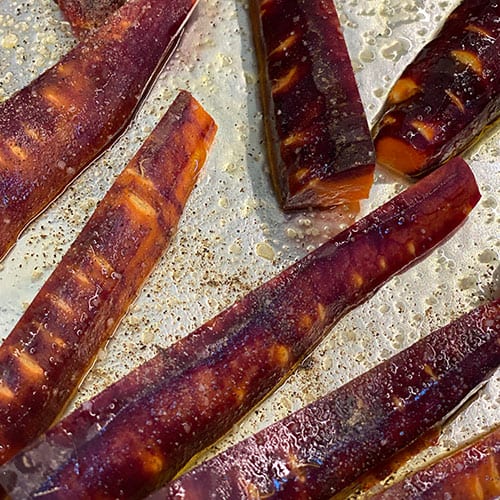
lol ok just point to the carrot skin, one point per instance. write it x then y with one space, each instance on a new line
447 96
471 473
78 308
53 128
87 15
320 148
142 430
317 451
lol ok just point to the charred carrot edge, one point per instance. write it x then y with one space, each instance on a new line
87 15
446 96
320 148
144 429
472 472
317 451
78 308
53 128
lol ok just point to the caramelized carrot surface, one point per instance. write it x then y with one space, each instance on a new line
53 128
86 15
317 451
142 430
446 96
472 473
320 148
78 308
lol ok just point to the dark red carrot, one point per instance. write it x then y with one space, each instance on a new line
57 125
472 473
319 143
86 15
141 431
446 96
316 452
78 308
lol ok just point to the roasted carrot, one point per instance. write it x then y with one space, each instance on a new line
446 96
472 473
316 452
57 125
86 15
320 148
51 347
141 431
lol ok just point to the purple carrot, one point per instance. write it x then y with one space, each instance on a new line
319 143
447 95
472 473
316 452
53 128
86 15
55 341
141 431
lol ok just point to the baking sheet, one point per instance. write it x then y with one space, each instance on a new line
233 236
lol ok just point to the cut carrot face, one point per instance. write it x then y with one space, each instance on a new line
53 128
146 427
320 149
447 96
391 151
52 346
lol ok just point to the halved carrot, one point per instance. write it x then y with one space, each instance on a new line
145 428
78 308
53 128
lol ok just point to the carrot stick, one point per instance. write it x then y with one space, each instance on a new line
472 473
320 148
78 308
447 96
